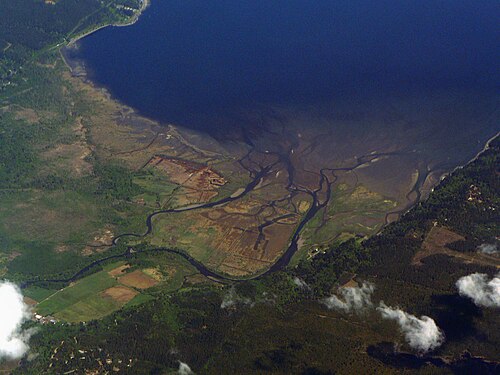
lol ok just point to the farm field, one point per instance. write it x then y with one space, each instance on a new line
80 301
93 296
437 242
223 236
117 285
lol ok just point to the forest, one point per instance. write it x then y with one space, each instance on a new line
28 28
190 324
275 323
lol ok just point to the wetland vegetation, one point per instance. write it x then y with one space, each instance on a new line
150 243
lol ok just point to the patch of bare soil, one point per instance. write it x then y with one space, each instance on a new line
155 273
199 279
27 114
87 251
138 279
119 270
103 237
29 301
120 293
436 241
14 255
61 248
201 181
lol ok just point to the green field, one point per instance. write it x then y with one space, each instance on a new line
90 308
38 294
83 300
139 299
351 211
158 191
76 301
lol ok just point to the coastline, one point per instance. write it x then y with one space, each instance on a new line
83 76
485 148
445 175
134 19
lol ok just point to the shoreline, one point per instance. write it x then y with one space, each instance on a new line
134 19
83 76
485 148
74 69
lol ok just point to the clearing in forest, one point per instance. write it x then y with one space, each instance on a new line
138 279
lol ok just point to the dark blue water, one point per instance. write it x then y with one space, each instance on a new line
204 63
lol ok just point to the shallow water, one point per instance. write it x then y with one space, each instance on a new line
212 65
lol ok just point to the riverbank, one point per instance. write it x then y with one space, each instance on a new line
370 188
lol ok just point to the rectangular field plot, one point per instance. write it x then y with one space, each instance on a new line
119 284
93 307
76 293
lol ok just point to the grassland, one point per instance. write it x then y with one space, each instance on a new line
90 179
72 175
117 285
352 212
78 301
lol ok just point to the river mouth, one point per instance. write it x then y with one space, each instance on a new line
246 71
267 88
386 154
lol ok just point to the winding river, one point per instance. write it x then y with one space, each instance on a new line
324 188
188 64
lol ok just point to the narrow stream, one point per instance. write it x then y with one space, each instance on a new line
324 187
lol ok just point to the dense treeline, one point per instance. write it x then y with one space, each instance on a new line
325 269
191 326
30 27
36 24
466 202
115 182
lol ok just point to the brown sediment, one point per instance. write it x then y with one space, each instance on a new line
138 279
436 242
119 270
120 293
199 181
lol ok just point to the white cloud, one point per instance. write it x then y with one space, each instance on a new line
488 248
184 369
421 333
353 298
13 313
477 287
